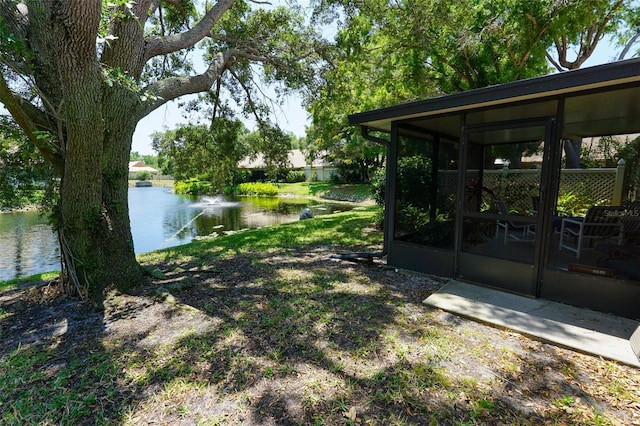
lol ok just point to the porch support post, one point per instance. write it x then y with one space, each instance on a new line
390 193
462 173
616 199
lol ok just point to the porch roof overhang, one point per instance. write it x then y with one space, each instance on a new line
599 82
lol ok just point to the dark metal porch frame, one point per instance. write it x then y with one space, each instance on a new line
599 81
549 125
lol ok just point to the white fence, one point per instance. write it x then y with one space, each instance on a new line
517 186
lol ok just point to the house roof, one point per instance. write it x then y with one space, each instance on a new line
140 166
296 160
591 95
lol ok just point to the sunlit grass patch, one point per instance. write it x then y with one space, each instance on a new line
303 189
345 192
32 279
510 361
348 229
620 388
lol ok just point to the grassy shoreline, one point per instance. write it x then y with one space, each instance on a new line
327 190
265 327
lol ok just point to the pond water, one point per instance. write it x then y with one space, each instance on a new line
159 219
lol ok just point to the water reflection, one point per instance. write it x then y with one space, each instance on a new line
159 219
26 244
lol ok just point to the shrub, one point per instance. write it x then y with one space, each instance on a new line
192 187
294 176
335 179
577 202
257 189
241 176
378 181
143 175
413 181
631 154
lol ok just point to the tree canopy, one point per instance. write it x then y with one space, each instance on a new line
393 52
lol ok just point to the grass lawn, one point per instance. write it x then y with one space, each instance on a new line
352 192
26 281
264 327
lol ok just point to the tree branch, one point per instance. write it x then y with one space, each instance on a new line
553 61
459 72
159 45
23 119
627 46
251 53
561 49
588 41
252 104
216 102
168 89
171 88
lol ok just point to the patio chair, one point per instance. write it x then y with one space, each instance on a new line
507 225
600 223
624 259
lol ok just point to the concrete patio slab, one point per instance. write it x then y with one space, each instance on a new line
579 329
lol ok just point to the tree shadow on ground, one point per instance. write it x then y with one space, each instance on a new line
302 338
289 337
52 361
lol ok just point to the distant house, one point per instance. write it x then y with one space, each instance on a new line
138 166
318 170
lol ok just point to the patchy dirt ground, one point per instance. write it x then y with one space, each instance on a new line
290 337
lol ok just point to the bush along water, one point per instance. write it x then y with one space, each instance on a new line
192 187
258 189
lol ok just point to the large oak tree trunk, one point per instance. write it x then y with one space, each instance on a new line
123 270
95 236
